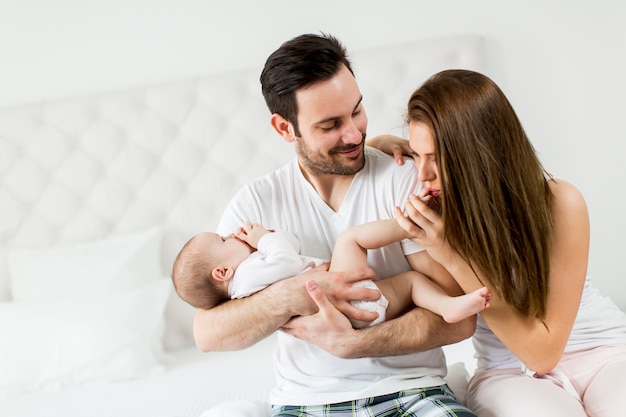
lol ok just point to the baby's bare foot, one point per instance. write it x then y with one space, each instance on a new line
467 305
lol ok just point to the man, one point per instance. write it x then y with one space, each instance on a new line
335 182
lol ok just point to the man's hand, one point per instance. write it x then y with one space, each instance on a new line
339 290
327 328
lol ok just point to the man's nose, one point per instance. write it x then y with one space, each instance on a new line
352 134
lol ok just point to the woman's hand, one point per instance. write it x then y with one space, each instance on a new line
425 227
392 145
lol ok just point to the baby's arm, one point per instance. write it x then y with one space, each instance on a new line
252 233
350 253
351 247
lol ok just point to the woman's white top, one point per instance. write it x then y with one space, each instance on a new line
598 322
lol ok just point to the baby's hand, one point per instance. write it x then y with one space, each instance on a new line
251 233
432 198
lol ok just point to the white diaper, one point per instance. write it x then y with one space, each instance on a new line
379 306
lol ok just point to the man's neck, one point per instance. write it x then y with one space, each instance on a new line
332 188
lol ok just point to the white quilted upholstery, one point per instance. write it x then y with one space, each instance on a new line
172 154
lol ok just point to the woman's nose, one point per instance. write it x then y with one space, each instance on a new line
425 173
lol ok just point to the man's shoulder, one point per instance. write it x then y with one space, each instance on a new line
259 200
261 194
379 161
277 178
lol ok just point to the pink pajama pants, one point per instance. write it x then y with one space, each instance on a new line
587 383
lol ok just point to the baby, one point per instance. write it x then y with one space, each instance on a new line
211 269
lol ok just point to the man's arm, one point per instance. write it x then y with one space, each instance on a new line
417 330
239 323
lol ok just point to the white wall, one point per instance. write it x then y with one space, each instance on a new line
561 62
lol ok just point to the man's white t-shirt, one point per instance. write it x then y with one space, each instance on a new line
283 199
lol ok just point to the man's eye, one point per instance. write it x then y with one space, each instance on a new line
328 128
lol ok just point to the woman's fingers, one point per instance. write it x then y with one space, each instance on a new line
407 223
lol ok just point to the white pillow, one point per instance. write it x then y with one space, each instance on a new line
86 269
53 344
98 267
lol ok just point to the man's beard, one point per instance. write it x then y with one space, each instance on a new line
331 163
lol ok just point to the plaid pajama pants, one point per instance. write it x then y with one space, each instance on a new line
421 402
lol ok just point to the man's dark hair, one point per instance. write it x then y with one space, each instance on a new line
298 63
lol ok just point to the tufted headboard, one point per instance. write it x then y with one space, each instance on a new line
111 163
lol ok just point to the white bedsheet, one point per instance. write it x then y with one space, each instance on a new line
191 384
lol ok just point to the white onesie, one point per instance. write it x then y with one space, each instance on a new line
278 257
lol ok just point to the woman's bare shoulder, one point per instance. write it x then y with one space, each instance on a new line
569 204
566 193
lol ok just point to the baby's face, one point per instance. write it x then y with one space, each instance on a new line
229 250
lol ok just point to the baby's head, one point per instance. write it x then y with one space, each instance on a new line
205 265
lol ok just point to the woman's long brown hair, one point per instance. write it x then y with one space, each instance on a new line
496 203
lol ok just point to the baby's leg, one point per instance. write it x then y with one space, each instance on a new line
427 294
454 309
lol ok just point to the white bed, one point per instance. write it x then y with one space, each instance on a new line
98 193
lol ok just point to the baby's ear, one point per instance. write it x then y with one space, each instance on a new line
222 273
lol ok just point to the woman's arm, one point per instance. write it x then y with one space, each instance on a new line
537 343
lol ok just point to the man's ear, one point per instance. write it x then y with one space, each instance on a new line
222 273
282 126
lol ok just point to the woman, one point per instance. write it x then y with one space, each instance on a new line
549 344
